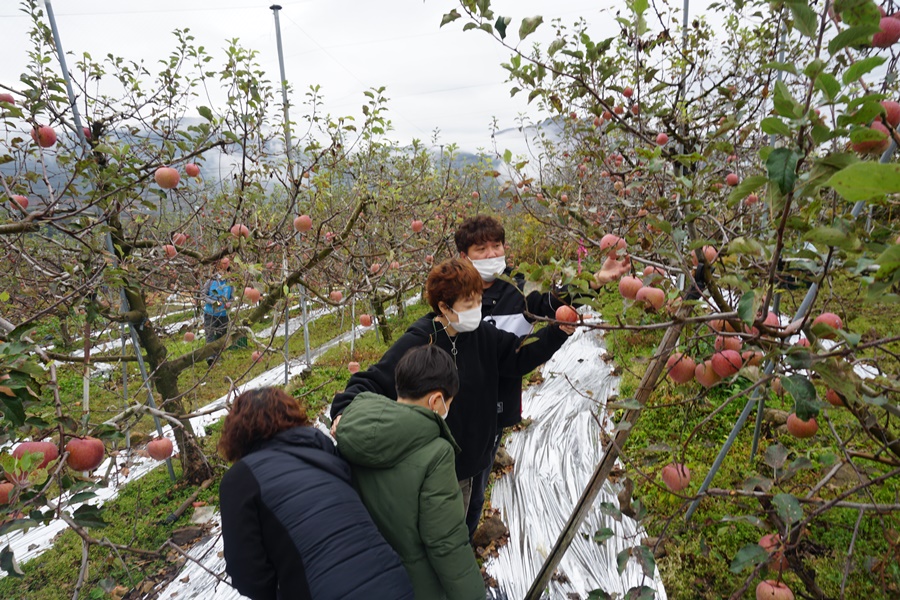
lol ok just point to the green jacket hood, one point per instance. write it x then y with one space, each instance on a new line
377 433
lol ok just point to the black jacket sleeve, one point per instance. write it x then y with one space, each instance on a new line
379 378
246 561
521 355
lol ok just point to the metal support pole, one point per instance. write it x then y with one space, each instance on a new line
287 322
109 244
125 384
352 326
305 325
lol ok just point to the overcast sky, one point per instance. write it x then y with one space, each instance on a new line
435 77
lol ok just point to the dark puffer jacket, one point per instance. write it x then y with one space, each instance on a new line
295 528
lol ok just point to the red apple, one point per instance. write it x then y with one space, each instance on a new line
680 367
732 179
375 268
611 240
48 449
365 320
800 428
676 476
417 226
751 199
189 336
8 98
22 201
619 110
652 296
751 358
662 139
335 296
629 286
728 342
830 319
834 398
303 223
888 35
251 295
87 132
192 170
727 362
179 239
566 314
44 136
224 263
6 488
635 108
85 454
429 258
773 590
475 195
160 448
256 356
166 177
170 250
353 366
892 110
771 543
564 198
238 230
708 251
627 92
705 374
394 265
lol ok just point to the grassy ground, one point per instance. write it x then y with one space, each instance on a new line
695 556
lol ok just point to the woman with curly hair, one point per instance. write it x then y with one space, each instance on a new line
293 526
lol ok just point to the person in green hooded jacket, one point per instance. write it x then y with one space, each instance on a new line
402 459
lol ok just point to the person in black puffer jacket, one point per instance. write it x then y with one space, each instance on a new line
481 240
293 526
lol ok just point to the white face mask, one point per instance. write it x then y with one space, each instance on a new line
469 320
446 410
489 268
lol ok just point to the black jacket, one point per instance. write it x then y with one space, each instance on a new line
294 527
504 305
482 356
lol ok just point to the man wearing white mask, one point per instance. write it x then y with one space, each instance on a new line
481 353
481 240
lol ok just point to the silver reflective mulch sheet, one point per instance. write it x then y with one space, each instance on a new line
555 457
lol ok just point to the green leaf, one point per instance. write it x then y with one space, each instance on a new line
804 394
9 564
603 534
861 67
644 556
852 36
622 560
888 262
205 112
748 556
866 180
641 592
449 17
598 594
804 18
832 236
781 166
828 85
89 516
784 103
555 46
529 25
787 67
775 456
611 510
747 306
775 126
501 25
787 508
858 12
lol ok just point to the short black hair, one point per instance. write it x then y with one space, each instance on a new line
478 230
426 369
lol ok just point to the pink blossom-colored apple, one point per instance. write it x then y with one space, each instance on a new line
167 178
160 448
192 170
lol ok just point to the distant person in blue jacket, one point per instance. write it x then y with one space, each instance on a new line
293 527
217 296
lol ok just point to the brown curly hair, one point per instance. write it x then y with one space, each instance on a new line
479 229
451 280
256 416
